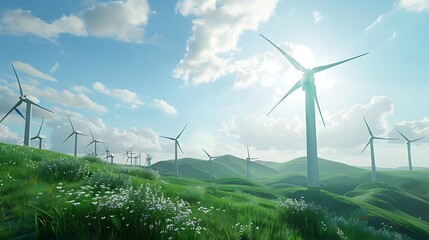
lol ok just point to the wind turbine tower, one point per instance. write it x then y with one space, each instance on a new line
75 133
38 136
176 144
308 86
408 142
210 162
95 141
371 144
28 111
248 162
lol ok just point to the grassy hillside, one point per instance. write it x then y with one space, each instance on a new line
50 195
226 166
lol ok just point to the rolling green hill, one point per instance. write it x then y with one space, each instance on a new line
51 195
226 166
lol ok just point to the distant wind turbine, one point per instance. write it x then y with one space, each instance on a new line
38 136
108 153
176 144
371 143
248 162
408 142
95 141
28 111
75 133
210 162
149 157
307 85
129 155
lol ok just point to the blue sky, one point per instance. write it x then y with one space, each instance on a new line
133 70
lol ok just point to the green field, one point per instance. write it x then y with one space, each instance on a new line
51 195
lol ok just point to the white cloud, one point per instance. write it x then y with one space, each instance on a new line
124 95
54 67
163 106
121 20
32 72
271 65
413 129
376 22
81 89
415 5
8 136
317 16
345 129
393 36
9 96
119 140
215 34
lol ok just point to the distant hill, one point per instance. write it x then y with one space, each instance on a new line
226 166
299 165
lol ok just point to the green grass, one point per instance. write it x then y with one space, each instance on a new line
50 195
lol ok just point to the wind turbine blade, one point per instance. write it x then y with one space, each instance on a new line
181 131
292 61
415 140
382 138
20 113
40 129
295 87
403 136
206 153
321 68
248 153
78 133
33 138
178 144
17 79
71 123
170 138
317 103
68 137
366 146
14 107
367 126
35 104
89 144
92 135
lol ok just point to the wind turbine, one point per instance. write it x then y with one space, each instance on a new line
75 133
248 162
108 154
149 157
95 141
307 85
210 162
408 142
371 143
129 154
38 136
176 144
28 111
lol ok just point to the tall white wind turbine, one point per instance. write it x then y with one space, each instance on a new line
176 144
371 144
210 162
248 162
75 133
38 136
307 85
95 141
408 142
28 110
108 153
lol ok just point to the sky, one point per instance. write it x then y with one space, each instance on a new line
134 70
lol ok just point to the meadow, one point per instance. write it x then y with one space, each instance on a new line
49 195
